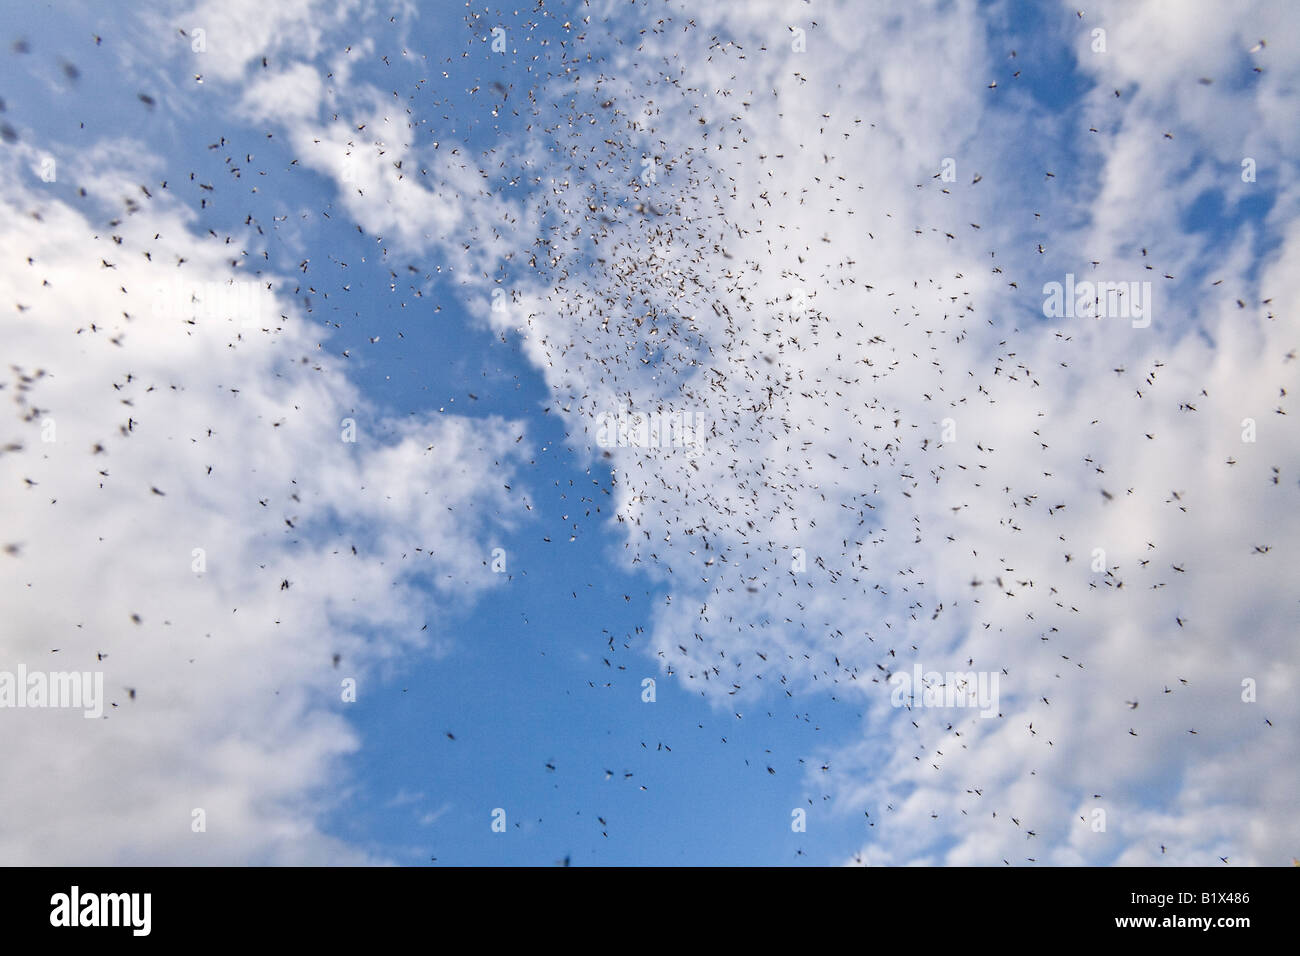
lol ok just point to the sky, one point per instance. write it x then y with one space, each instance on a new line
330 327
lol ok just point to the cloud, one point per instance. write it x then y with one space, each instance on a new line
775 244
239 33
832 303
189 518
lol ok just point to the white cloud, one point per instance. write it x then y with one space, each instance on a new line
820 179
238 33
237 707
814 174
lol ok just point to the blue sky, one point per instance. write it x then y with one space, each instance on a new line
477 431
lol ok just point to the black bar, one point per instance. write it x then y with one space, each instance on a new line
338 905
